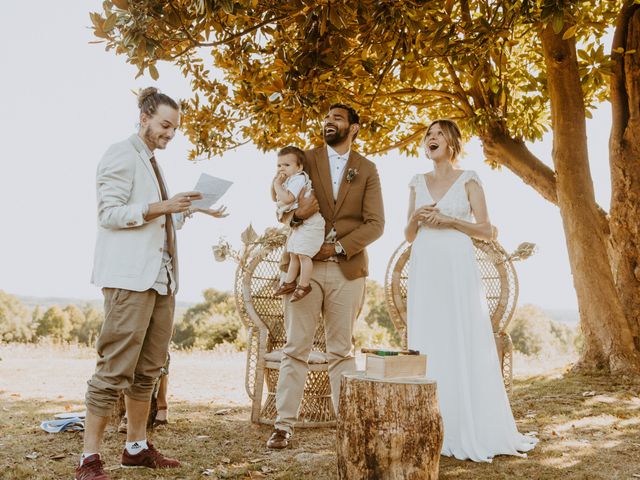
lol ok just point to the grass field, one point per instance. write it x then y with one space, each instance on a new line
589 426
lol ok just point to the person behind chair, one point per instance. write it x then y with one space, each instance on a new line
349 198
306 239
136 265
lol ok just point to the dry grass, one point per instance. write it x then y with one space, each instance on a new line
589 426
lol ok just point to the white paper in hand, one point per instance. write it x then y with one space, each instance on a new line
211 188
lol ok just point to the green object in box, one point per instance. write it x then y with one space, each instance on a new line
386 353
389 353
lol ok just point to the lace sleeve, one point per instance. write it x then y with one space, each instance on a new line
472 176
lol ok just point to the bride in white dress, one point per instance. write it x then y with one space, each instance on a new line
447 314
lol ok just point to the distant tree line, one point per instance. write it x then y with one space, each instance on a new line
79 324
215 321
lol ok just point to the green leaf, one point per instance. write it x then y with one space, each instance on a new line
557 22
153 71
110 22
569 32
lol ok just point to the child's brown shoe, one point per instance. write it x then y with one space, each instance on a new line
300 292
286 287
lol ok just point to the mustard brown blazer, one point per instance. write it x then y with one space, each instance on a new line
357 214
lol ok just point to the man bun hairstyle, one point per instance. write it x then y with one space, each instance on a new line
290 149
150 98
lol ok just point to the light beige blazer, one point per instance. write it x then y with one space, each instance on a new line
128 251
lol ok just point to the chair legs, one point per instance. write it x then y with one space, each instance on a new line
316 408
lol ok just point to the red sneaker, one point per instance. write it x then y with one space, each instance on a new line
91 469
149 457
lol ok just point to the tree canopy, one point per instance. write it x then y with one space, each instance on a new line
401 63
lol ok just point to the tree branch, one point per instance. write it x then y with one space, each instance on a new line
229 39
501 149
405 141
419 91
461 91
385 71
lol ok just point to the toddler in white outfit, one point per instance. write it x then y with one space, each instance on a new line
306 239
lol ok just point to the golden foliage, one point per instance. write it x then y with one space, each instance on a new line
265 72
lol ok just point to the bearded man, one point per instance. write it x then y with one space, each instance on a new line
349 197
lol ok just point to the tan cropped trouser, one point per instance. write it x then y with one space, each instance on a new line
338 300
132 347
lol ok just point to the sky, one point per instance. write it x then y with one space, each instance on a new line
65 101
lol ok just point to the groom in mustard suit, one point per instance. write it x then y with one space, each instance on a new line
349 197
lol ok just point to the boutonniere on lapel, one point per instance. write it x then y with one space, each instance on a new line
351 174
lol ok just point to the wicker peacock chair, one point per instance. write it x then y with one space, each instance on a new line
257 277
501 288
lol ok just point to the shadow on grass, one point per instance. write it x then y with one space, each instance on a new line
589 429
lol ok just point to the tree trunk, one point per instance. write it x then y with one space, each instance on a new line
388 429
500 148
624 155
607 337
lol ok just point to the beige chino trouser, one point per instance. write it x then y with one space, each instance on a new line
338 300
132 347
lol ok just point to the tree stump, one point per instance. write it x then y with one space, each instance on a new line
388 429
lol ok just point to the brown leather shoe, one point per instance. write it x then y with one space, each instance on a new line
285 288
91 469
149 457
279 439
165 421
300 292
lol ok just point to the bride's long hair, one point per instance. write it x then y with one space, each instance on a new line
452 135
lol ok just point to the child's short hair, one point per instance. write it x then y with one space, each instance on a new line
290 149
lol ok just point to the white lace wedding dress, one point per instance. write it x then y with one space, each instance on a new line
448 320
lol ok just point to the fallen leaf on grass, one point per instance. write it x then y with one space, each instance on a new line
32 455
58 456
222 411
590 393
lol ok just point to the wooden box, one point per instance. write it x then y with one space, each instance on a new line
396 366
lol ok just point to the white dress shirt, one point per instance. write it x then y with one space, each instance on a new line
337 163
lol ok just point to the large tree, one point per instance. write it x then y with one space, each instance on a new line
507 71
